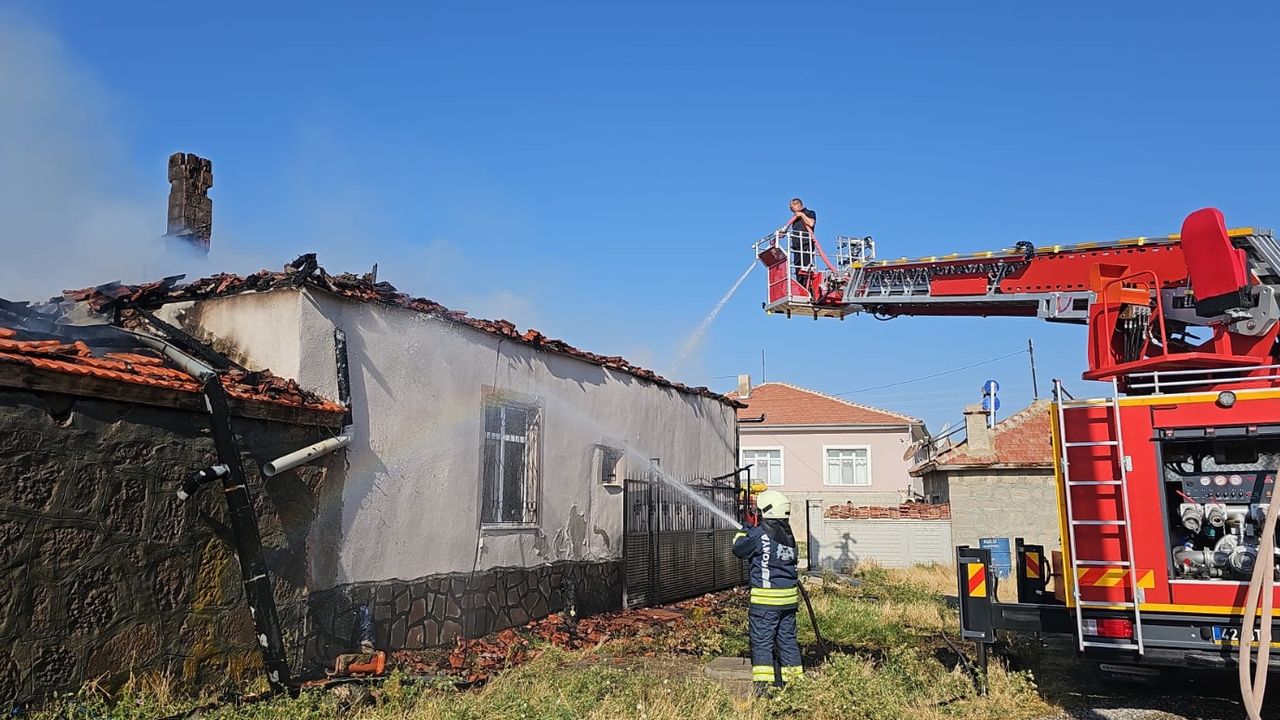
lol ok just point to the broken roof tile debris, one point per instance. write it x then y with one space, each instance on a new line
907 511
305 272
145 367
674 628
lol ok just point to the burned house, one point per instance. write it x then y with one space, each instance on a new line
487 477
484 486
104 571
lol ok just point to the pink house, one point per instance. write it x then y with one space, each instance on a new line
820 450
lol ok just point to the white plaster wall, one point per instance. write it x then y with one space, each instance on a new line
411 497
258 330
842 545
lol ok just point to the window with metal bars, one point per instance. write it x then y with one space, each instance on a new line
512 432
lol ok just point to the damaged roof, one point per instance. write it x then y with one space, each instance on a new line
305 272
785 404
1022 440
144 367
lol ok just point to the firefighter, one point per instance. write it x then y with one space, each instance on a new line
771 549
800 233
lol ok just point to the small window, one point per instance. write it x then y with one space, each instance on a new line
510 482
766 464
848 466
608 465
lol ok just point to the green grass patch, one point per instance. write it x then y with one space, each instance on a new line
888 663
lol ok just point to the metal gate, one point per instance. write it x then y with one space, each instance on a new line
673 547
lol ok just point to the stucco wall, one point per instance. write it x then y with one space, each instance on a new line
411 499
257 330
1003 503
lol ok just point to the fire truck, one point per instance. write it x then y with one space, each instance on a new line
1163 484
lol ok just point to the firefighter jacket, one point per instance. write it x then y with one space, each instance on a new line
771 549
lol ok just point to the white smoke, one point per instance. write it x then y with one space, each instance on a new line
70 215
77 211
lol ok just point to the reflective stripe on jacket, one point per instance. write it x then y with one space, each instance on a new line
773 567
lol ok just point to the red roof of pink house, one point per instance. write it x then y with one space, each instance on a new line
783 404
1024 439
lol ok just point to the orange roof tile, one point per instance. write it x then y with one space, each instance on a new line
784 404
907 511
1021 440
76 358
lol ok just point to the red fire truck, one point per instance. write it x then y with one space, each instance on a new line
1163 485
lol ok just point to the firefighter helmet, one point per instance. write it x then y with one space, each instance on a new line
773 505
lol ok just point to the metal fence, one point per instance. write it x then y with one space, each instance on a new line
675 548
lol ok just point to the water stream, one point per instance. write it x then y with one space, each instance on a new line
692 342
640 458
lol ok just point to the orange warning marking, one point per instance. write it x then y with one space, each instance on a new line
1033 565
977 579
1114 577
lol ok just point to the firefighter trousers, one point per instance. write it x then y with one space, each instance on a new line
775 653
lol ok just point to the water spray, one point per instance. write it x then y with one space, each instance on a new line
692 342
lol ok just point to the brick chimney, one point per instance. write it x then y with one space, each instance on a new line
190 209
976 431
744 386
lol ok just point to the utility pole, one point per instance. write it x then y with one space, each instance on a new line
1031 353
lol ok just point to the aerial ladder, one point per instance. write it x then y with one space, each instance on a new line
1164 485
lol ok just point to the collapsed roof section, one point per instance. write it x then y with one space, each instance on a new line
304 272
40 350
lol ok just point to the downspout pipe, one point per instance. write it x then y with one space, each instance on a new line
255 577
288 462
305 455
190 365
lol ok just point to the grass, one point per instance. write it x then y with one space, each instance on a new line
889 662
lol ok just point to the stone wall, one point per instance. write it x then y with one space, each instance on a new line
103 571
431 611
1003 503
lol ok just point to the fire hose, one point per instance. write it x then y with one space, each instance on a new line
1261 587
813 620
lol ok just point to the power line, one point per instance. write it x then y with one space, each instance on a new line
934 375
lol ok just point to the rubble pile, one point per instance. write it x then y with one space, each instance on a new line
474 661
907 511
144 366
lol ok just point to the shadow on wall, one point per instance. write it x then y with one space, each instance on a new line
366 467
846 561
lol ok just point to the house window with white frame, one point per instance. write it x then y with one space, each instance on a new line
766 464
510 481
848 466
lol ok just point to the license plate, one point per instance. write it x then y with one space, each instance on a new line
1224 635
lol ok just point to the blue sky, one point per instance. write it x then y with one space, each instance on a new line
599 170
